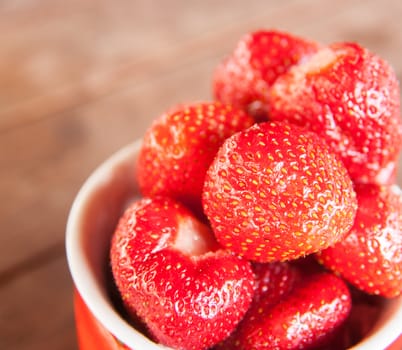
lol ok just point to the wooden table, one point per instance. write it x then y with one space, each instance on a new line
80 79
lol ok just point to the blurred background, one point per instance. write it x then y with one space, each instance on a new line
81 78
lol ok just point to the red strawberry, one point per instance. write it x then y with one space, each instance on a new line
304 318
370 256
169 272
180 145
244 78
365 312
273 281
275 192
350 97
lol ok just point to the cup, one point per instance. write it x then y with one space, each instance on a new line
91 222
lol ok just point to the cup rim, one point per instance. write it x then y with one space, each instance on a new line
95 296
85 281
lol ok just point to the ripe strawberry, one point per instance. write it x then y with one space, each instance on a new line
303 319
170 272
370 256
365 311
180 145
243 79
350 97
275 192
273 281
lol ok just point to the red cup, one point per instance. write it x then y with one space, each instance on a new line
91 222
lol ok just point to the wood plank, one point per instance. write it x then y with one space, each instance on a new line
57 58
36 311
51 67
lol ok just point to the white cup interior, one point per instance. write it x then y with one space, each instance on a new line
90 225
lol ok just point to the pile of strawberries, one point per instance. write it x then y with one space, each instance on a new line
269 214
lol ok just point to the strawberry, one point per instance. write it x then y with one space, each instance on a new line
370 256
303 319
350 97
171 273
273 281
276 192
243 79
180 145
365 311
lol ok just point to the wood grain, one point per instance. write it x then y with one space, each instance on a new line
80 79
38 318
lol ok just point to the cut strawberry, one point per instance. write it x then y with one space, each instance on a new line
244 78
370 256
276 192
350 97
180 145
170 272
304 318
